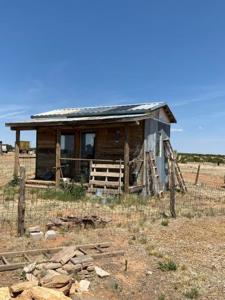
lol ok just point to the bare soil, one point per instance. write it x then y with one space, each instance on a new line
195 245
210 174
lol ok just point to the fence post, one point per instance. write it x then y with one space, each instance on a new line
197 175
172 190
21 203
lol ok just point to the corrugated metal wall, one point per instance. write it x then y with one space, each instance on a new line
155 133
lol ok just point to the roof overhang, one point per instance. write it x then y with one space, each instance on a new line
37 122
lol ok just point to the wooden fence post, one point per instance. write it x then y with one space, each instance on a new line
197 175
17 153
172 190
21 203
126 160
58 157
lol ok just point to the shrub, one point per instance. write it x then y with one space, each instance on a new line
192 294
65 193
165 222
167 266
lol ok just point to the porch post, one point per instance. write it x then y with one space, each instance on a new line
17 153
57 157
126 160
77 152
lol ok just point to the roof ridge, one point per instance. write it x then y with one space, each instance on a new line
103 106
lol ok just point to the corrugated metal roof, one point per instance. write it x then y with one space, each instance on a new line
94 114
101 110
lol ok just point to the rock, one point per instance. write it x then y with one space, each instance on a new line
149 273
36 272
30 268
101 273
49 274
74 288
31 277
50 235
51 266
78 253
81 259
40 266
90 268
34 229
71 268
4 293
20 287
41 293
61 271
83 286
37 236
57 281
65 289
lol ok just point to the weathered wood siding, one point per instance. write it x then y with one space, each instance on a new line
109 147
109 144
46 141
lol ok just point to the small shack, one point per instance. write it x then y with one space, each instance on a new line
103 147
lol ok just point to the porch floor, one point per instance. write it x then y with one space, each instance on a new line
41 184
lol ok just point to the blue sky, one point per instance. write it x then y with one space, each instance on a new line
76 52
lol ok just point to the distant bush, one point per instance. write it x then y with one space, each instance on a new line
168 266
201 158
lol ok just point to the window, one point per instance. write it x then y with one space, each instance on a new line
88 145
67 145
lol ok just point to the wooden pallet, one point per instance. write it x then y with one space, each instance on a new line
19 259
106 177
170 155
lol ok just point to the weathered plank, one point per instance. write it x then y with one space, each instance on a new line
106 174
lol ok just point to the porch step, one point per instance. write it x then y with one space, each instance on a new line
41 182
36 186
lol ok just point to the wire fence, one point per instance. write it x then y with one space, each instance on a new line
205 199
197 202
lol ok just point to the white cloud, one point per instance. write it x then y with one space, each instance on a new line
177 129
12 114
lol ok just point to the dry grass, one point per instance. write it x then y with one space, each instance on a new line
194 242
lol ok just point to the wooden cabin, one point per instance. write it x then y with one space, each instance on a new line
104 147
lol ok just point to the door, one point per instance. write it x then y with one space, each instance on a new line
87 152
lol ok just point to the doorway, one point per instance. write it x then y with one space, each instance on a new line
68 151
87 152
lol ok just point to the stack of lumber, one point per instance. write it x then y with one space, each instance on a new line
73 221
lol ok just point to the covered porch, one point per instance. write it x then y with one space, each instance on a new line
106 157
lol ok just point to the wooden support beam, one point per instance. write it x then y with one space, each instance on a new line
172 190
126 160
57 157
17 152
21 203
77 151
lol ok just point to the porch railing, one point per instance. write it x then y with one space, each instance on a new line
80 170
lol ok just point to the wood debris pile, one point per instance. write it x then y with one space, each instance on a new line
73 221
57 277
68 261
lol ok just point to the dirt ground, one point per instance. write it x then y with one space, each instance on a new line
195 246
199 258
210 174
